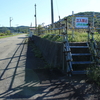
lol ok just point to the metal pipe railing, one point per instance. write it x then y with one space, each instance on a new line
92 45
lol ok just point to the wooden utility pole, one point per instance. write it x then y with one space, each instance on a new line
52 14
35 17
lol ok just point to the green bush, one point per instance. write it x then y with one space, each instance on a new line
94 74
2 34
8 32
5 34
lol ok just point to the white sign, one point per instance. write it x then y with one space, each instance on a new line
81 22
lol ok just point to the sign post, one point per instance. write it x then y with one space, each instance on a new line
81 22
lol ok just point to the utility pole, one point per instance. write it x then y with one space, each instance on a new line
17 27
52 14
35 17
59 17
10 21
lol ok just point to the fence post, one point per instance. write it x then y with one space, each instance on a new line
93 18
89 32
72 24
65 37
59 25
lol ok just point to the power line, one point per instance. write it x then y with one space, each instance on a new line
57 9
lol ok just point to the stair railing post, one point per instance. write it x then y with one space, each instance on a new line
72 25
63 32
64 41
89 30
94 48
69 66
90 40
59 27
92 44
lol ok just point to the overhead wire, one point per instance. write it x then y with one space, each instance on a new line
58 9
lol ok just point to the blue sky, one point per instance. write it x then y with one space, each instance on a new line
22 11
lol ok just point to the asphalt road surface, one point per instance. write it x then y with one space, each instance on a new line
12 65
19 81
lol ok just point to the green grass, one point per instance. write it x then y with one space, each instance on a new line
8 36
78 37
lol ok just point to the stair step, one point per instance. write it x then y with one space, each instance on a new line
81 54
82 62
81 57
79 47
80 50
78 43
79 72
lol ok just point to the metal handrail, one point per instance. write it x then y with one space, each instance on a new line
92 45
69 55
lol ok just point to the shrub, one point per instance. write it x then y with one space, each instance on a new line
94 74
2 34
8 32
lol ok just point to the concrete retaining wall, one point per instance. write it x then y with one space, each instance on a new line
52 51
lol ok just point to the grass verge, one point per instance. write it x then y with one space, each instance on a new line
9 36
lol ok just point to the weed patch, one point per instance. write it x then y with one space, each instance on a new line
94 74
78 37
39 55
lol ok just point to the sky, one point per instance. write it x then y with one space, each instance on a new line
23 11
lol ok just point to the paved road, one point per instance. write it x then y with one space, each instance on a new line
19 81
12 66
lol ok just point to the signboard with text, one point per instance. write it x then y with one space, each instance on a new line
81 22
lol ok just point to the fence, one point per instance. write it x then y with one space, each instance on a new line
63 26
60 25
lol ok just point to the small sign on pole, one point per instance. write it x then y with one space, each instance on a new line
81 22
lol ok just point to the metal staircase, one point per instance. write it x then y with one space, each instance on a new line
82 59
80 56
